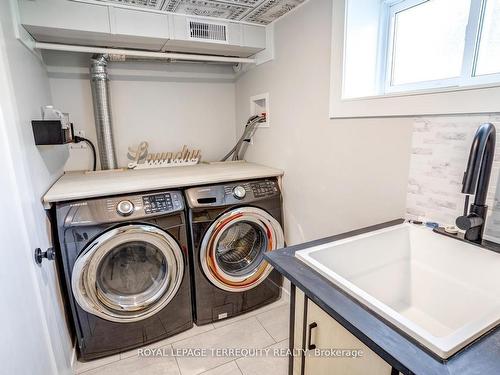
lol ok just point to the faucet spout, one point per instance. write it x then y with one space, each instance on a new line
476 180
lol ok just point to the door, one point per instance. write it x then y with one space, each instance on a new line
128 274
321 336
232 250
25 347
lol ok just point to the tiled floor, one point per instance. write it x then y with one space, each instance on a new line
259 329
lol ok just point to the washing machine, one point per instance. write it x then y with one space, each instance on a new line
125 264
232 226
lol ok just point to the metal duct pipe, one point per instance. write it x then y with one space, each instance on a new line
99 83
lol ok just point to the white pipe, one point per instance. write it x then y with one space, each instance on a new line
145 54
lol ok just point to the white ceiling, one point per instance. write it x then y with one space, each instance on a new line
260 12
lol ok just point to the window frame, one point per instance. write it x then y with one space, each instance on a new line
472 78
467 76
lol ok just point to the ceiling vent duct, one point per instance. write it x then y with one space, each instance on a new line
215 32
99 83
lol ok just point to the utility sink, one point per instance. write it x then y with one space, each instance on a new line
442 292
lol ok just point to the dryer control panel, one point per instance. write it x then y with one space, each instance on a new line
264 188
234 193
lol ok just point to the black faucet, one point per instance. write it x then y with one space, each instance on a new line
475 182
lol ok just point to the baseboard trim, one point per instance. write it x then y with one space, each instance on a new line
73 358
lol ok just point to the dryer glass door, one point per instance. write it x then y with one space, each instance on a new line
232 250
128 273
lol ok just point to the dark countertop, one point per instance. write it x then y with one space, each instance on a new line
482 357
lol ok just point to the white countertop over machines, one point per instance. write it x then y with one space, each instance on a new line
81 185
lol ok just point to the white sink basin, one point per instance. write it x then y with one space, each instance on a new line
442 292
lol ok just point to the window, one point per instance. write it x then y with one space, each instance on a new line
439 43
414 57
488 60
425 47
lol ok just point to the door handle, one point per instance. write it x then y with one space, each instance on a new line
311 346
49 254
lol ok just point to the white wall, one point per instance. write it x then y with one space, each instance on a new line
167 105
347 173
339 174
36 169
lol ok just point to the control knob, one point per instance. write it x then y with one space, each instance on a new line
125 208
239 192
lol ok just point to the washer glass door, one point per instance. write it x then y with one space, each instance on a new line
128 273
233 248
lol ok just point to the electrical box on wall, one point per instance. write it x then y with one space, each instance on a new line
51 132
259 104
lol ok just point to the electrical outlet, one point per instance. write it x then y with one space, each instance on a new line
81 145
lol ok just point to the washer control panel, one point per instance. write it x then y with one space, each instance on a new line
163 202
122 208
134 207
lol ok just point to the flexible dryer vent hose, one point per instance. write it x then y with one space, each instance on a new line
99 83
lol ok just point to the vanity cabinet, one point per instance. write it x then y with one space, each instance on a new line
315 331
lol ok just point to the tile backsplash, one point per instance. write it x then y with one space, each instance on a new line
440 149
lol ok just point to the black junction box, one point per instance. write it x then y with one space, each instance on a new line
50 132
